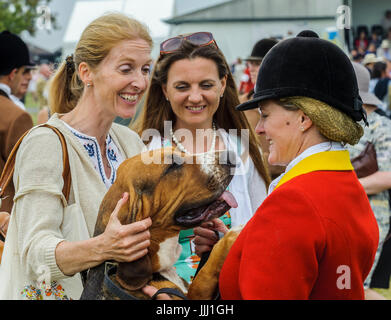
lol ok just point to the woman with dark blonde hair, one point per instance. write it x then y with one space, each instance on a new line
50 238
191 105
315 236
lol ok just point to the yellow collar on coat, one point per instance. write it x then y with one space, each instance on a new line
322 161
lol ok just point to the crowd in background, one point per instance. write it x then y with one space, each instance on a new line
372 48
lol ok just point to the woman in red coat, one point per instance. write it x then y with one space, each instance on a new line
315 235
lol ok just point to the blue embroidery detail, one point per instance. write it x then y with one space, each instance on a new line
91 152
100 165
111 155
90 149
114 175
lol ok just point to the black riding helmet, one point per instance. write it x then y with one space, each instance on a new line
14 53
312 67
261 48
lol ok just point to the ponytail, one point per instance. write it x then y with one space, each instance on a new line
65 88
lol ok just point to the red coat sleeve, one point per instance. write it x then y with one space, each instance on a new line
277 253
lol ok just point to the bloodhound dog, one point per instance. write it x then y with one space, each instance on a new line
178 192
205 285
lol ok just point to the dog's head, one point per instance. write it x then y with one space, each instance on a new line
176 191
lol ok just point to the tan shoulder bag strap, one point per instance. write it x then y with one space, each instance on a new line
9 167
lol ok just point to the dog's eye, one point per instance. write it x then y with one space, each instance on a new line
173 167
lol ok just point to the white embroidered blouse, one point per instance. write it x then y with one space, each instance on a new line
91 146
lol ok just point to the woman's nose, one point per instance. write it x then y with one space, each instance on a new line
195 96
259 129
140 82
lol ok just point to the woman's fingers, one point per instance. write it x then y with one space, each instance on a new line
204 240
206 235
120 203
133 242
219 226
126 243
200 249
137 227
129 257
150 291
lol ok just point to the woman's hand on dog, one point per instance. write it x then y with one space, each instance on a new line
125 243
122 243
206 235
151 290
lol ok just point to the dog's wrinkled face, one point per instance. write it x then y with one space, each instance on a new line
176 191
185 192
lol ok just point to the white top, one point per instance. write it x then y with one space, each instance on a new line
91 146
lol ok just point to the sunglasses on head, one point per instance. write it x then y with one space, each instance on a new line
200 39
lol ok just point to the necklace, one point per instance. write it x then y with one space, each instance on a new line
183 149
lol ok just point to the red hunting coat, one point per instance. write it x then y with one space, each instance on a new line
314 237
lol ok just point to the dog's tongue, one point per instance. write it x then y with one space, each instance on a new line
229 199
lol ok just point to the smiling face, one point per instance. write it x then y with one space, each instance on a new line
194 89
122 77
282 129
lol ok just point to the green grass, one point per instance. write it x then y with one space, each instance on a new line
384 292
31 107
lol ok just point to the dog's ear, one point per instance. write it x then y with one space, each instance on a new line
134 209
136 274
128 212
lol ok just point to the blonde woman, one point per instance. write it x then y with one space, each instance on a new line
49 239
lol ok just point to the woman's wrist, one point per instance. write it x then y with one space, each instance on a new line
99 249
73 257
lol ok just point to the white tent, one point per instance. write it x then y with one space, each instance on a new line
150 12
51 39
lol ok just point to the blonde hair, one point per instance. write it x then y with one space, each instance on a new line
95 43
331 123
